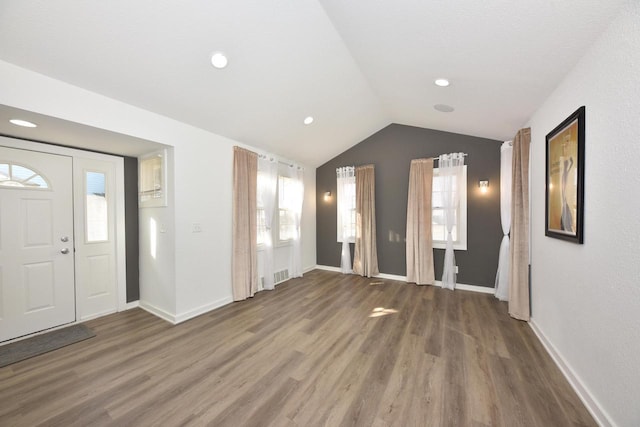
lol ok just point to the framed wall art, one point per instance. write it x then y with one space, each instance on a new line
564 217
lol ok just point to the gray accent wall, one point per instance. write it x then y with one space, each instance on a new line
131 227
391 151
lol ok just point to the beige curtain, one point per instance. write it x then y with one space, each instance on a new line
519 249
419 238
244 258
365 257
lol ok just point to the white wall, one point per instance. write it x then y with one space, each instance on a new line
586 298
156 247
198 265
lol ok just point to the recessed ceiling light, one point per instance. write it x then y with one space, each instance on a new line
219 60
443 108
23 123
308 120
442 82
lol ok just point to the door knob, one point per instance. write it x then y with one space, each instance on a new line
64 239
65 251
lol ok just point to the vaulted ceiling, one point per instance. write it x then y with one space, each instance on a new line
355 65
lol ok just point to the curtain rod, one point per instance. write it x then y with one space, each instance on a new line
275 159
436 158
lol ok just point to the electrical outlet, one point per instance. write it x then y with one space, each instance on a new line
196 227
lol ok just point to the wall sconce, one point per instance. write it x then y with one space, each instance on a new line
484 186
327 196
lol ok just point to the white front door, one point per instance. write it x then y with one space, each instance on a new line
36 242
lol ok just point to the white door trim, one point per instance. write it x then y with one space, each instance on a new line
120 218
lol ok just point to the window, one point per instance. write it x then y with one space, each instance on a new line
347 208
438 230
96 214
13 175
152 179
262 219
286 216
284 221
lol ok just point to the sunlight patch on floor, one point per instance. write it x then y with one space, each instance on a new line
381 311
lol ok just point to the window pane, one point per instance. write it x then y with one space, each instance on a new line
287 225
284 191
4 171
436 200
96 214
37 181
346 204
436 183
438 232
437 217
20 176
151 178
262 226
20 173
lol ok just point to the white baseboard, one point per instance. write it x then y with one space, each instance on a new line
592 405
471 288
156 311
328 268
182 317
392 277
308 269
202 309
130 305
459 286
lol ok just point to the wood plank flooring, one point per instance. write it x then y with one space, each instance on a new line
325 350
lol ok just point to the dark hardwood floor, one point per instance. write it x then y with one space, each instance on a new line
328 349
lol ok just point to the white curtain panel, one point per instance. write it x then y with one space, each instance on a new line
450 169
502 276
296 173
346 180
267 187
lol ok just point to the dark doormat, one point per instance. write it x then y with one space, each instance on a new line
30 347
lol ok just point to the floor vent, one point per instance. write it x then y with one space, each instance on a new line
281 276
278 277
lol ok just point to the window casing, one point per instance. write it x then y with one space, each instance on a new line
438 229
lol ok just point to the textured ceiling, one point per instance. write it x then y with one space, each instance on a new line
355 65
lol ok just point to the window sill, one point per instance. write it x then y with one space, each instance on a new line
282 243
350 240
456 246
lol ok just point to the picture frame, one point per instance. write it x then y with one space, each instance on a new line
564 189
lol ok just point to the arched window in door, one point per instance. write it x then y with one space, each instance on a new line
15 175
